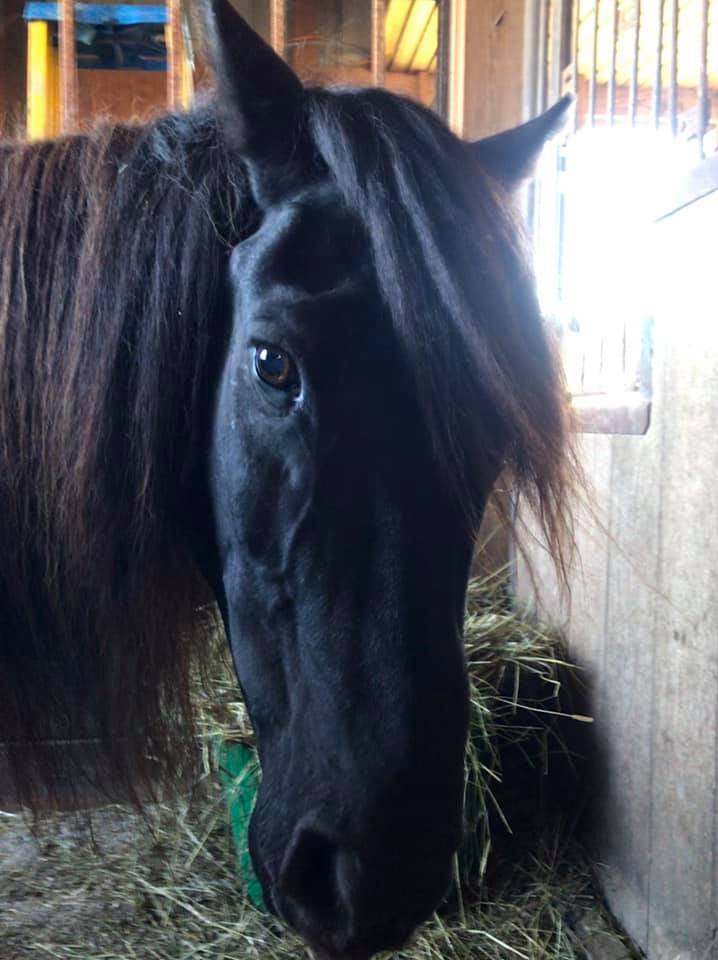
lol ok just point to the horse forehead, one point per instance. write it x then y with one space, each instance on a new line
311 242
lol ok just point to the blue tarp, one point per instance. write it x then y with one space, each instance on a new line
118 14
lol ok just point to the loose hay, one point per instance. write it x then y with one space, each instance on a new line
166 887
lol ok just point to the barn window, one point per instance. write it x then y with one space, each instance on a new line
645 77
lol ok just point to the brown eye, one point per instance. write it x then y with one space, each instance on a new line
275 367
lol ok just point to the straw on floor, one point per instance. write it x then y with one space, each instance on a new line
166 887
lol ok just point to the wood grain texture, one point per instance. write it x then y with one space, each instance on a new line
492 81
69 114
121 94
378 42
278 25
644 620
13 45
683 895
174 44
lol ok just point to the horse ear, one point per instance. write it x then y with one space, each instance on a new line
260 97
511 156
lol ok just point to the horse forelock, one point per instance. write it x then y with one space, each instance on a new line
453 267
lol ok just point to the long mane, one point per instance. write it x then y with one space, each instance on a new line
111 285
113 247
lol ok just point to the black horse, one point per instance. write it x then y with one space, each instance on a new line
273 353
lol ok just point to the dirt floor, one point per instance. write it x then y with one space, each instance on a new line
166 888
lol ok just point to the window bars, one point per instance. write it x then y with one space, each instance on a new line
631 62
644 74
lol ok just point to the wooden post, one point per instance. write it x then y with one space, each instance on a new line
278 26
456 95
378 42
173 42
186 77
68 69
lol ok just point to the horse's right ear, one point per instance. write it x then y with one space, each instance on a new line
260 97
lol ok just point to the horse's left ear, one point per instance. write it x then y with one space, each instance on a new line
260 97
511 156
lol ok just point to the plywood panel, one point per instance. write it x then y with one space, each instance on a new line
493 72
121 94
624 675
12 67
645 620
682 906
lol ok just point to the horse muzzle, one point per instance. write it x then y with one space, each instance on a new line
349 902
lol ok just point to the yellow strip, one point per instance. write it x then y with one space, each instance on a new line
53 93
186 80
416 29
38 79
396 13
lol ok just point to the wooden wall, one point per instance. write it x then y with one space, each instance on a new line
121 94
644 616
12 66
486 85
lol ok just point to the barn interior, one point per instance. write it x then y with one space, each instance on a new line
622 219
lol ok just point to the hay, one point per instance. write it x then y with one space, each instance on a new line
165 887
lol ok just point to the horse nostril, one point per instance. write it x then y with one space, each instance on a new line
321 881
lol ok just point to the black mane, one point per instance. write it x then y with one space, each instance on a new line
111 284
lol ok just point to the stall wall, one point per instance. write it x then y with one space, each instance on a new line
12 67
644 616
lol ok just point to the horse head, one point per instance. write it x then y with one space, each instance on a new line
341 543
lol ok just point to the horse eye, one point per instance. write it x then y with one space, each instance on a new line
275 367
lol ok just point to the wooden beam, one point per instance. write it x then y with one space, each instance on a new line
278 26
456 106
173 42
68 69
378 42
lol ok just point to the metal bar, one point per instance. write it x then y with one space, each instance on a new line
404 25
378 42
594 67
278 26
542 78
575 27
557 24
68 69
531 65
441 60
421 38
173 38
566 36
633 90
658 81
703 99
611 91
673 87
455 66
